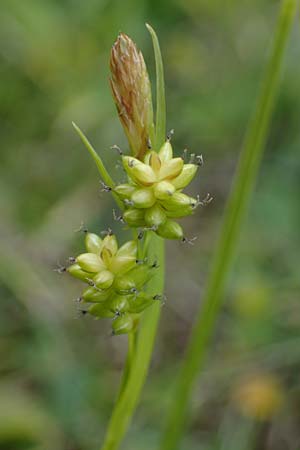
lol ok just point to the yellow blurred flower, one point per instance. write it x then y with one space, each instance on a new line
259 397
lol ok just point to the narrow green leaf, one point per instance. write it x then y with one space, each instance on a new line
160 125
234 215
99 163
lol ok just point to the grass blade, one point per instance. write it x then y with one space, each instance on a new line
235 213
99 163
160 123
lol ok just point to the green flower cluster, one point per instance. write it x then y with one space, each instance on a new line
153 195
115 277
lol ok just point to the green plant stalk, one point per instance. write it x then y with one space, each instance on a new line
127 402
234 214
154 249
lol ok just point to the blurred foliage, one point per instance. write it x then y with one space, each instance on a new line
59 374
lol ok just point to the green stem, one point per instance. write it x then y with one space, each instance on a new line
234 214
128 400
154 249
129 360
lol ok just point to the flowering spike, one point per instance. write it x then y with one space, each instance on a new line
132 94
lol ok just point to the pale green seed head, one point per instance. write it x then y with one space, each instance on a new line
179 200
170 169
170 230
140 303
122 264
110 243
93 243
124 191
155 216
166 152
143 198
134 217
123 324
185 177
90 262
139 172
95 296
101 311
104 279
163 190
119 303
76 271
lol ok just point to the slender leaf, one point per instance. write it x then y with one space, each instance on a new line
160 124
99 163
235 213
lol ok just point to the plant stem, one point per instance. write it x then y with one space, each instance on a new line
127 402
234 214
154 249
129 360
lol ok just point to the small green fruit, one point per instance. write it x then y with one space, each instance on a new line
123 324
155 216
76 271
170 230
90 262
93 243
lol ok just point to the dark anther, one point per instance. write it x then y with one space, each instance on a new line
93 284
199 160
105 187
191 241
71 259
118 218
116 147
207 199
131 162
140 235
82 228
78 300
155 265
60 269
149 145
107 232
160 297
169 135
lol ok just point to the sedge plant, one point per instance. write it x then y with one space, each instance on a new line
124 283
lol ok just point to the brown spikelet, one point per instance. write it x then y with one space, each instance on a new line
132 93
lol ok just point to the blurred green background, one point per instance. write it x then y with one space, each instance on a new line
60 372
